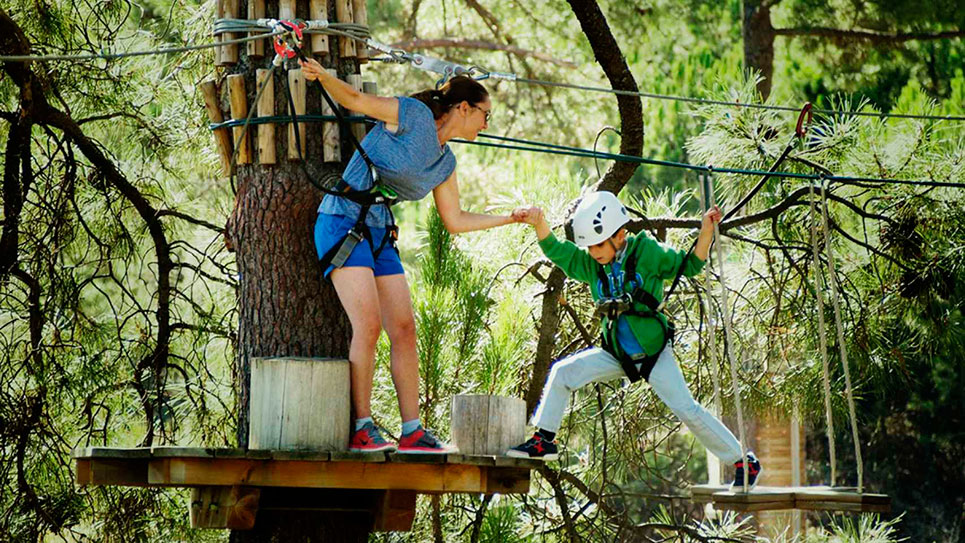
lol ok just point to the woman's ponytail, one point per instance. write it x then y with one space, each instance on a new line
459 89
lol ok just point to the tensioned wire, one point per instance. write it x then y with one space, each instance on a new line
361 33
518 144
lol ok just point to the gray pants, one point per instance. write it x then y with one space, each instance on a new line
593 365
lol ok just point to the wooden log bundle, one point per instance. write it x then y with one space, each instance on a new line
299 404
483 424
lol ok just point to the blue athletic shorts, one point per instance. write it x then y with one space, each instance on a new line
330 229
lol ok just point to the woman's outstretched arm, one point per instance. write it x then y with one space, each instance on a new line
377 107
456 220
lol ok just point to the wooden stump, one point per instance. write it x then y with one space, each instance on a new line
489 425
299 404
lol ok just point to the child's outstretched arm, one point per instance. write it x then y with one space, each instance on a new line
534 217
712 217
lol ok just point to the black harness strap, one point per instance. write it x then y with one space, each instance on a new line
339 253
638 367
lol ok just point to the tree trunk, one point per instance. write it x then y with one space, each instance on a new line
759 43
284 306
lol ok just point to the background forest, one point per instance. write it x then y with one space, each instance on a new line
112 247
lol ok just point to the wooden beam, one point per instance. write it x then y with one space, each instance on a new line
233 507
296 473
395 511
814 498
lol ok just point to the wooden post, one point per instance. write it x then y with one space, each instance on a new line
395 511
219 51
488 425
286 10
343 12
331 149
256 10
230 52
296 84
360 15
357 128
774 442
370 87
319 12
299 403
232 507
239 110
266 108
221 135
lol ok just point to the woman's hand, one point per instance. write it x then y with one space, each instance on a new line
529 215
311 69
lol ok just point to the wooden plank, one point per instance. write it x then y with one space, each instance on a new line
286 10
307 474
230 52
222 136
265 108
313 456
471 459
395 511
82 471
297 87
168 451
349 456
361 16
343 13
256 10
419 458
331 149
318 10
510 462
239 111
114 472
114 452
507 481
221 507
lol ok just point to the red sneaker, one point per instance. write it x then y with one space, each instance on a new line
422 441
368 439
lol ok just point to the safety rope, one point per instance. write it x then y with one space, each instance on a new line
708 201
729 348
822 335
542 147
707 101
832 280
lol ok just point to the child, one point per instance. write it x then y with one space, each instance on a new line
626 275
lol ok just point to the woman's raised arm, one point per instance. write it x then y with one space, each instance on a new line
377 107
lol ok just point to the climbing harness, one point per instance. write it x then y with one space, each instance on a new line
288 46
636 303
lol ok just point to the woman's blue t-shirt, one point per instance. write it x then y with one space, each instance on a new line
410 161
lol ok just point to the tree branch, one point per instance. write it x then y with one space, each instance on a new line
878 38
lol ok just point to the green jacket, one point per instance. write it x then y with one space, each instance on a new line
656 262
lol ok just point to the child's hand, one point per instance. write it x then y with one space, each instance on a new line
528 215
712 217
311 69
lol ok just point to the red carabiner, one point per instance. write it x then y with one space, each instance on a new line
282 47
801 128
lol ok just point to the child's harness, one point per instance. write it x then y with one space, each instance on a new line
626 304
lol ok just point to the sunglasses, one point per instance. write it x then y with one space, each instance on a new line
488 113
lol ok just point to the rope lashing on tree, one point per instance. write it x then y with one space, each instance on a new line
836 303
822 335
729 347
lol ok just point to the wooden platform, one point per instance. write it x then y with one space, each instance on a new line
187 467
227 484
815 498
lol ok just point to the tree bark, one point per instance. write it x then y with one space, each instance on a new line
285 308
759 43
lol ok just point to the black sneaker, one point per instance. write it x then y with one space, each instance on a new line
753 474
536 447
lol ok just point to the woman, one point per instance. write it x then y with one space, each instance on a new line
408 148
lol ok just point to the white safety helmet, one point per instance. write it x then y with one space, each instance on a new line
599 216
